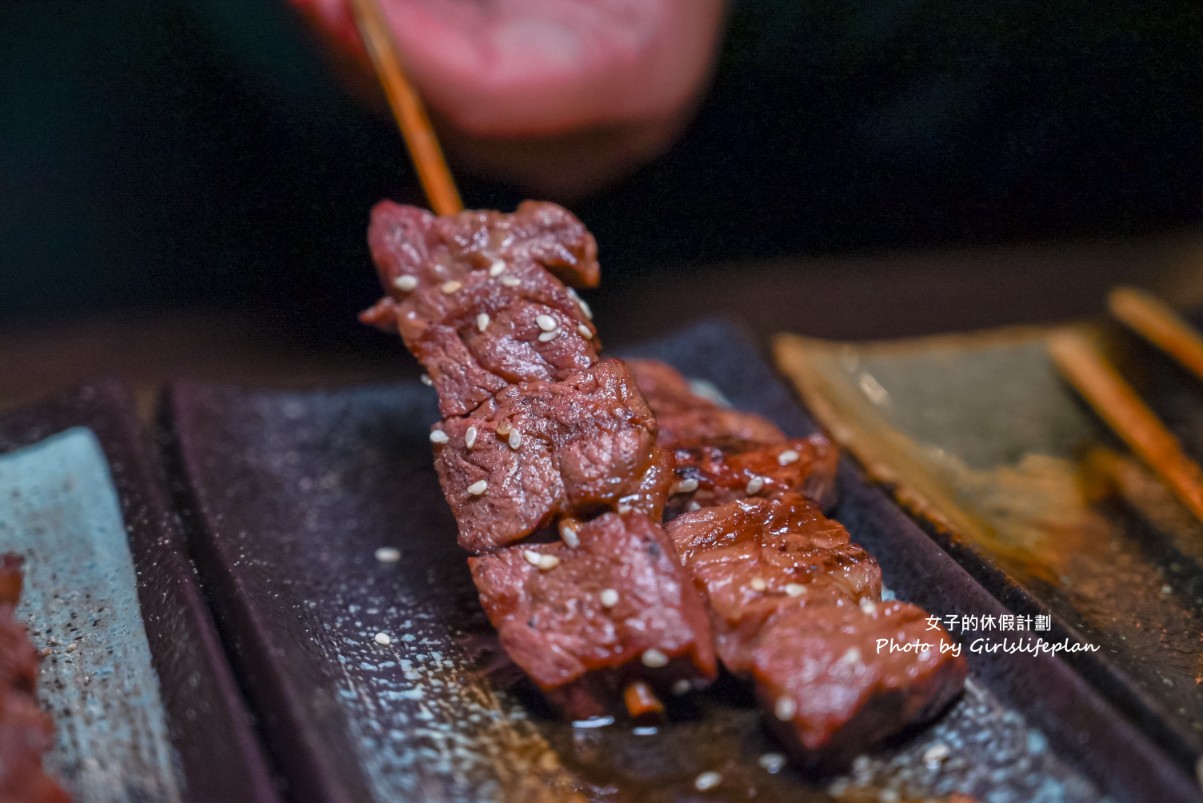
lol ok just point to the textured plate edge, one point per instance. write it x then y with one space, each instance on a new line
293 742
108 410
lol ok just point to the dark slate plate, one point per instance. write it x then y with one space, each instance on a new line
291 492
145 705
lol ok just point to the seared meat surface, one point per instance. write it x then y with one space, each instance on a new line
797 607
757 559
586 621
477 300
829 690
722 454
551 449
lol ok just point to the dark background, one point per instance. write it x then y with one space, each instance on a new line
198 153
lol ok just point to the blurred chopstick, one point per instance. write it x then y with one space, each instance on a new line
407 108
1156 322
1117 403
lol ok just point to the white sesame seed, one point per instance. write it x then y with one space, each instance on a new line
73 646
686 486
438 436
548 562
693 506
497 268
785 708
654 659
772 762
868 606
482 321
758 584
568 536
470 437
755 485
851 656
624 508
795 589
388 554
515 440
580 302
426 380
510 281
547 337
584 331
503 428
478 488
681 687
451 286
406 283
383 639
608 597
532 557
936 753
787 457
707 780
546 323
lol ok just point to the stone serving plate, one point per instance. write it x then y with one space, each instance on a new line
979 437
145 706
287 495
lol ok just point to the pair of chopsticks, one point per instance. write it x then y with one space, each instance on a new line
407 108
1083 364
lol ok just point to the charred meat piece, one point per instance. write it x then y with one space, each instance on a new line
796 605
585 622
710 475
688 420
723 454
759 558
26 733
536 452
408 241
832 686
477 300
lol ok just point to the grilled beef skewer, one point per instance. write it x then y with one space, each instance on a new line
540 435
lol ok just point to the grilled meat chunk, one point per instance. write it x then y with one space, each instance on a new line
536 452
586 621
477 300
831 690
797 607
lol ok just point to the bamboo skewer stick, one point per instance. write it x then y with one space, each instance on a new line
1118 404
407 109
1156 322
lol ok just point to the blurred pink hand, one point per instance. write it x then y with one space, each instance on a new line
560 97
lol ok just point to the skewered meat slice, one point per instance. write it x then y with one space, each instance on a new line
709 475
585 622
473 298
797 606
539 451
408 241
687 420
723 454
758 558
830 692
